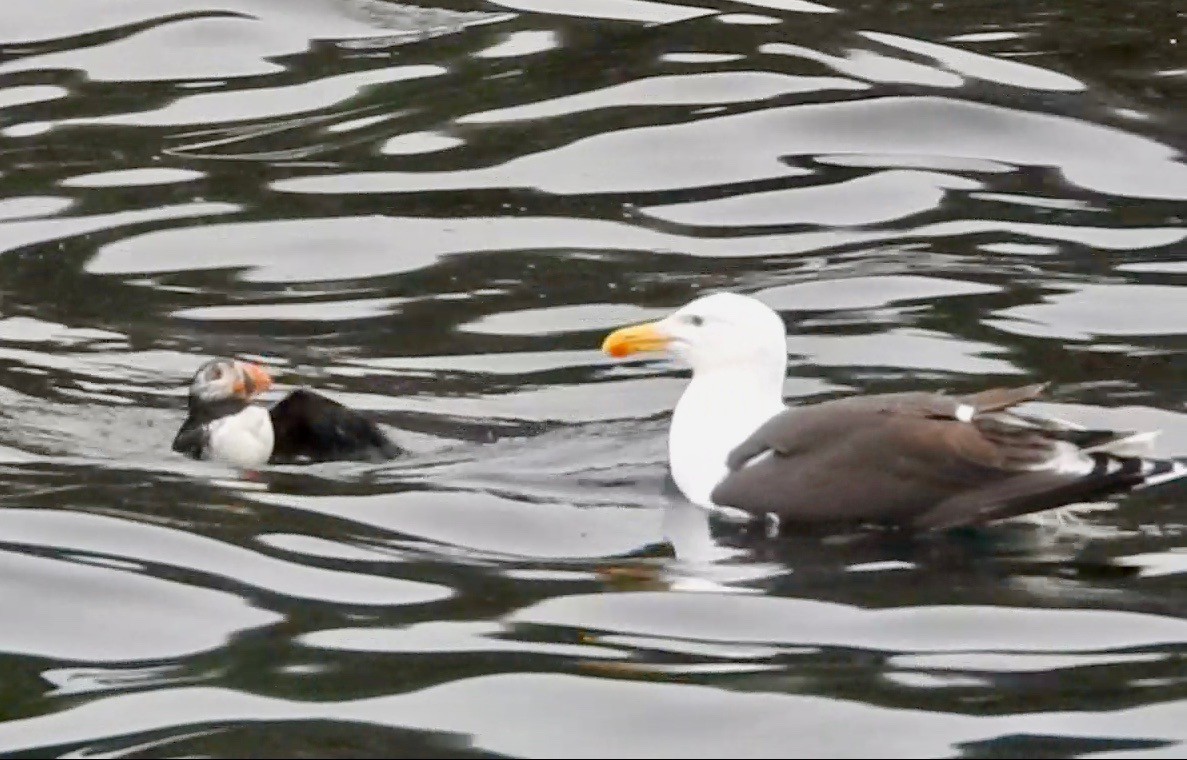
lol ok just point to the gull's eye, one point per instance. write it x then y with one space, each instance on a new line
695 320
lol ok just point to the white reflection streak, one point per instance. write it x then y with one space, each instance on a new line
602 715
28 232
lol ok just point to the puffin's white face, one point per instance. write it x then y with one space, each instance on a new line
222 379
718 330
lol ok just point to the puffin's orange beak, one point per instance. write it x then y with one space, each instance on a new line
648 336
253 379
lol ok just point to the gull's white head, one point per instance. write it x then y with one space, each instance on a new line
722 330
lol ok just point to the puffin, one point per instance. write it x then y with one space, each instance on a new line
919 460
225 424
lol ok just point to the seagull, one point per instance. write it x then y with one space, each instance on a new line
917 460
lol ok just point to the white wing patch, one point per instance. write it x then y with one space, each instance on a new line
1069 459
965 412
244 439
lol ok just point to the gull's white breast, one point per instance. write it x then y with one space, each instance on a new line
713 416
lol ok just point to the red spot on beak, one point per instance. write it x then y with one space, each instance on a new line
253 379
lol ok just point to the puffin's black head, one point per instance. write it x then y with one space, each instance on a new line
222 380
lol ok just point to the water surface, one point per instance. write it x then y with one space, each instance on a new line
434 213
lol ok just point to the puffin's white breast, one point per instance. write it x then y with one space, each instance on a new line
243 439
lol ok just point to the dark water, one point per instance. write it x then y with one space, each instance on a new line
434 215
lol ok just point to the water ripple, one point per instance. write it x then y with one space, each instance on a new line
434 213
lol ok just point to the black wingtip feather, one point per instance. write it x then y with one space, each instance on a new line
1035 492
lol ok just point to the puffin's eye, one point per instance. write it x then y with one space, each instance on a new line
696 320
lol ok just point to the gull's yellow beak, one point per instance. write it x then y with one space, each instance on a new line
635 339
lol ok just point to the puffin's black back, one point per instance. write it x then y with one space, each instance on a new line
311 427
191 439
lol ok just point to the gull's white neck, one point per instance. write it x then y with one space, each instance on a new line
719 409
